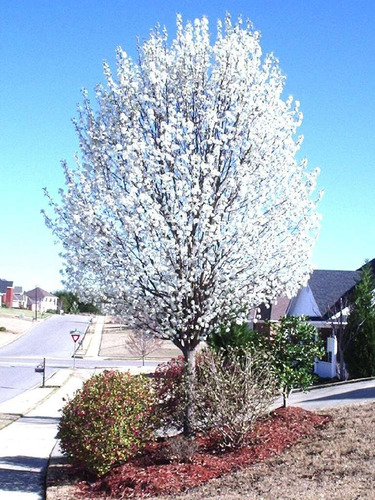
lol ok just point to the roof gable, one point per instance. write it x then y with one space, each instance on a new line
317 299
38 294
304 304
329 286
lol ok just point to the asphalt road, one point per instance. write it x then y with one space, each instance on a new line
50 339
336 395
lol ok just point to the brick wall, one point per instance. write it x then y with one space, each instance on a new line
8 299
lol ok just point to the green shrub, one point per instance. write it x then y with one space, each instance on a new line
292 346
3 329
233 337
108 421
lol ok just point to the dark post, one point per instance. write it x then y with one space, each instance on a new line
44 372
36 303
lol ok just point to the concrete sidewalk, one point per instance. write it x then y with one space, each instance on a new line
26 443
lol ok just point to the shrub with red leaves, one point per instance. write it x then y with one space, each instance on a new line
169 386
108 421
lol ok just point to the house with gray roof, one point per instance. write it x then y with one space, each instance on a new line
319 299
20 300
12 296
41 300
325 302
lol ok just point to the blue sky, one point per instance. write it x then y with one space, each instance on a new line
49 50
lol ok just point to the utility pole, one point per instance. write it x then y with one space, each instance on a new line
36 303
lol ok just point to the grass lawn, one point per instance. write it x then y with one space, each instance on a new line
114 345
338 462
6 312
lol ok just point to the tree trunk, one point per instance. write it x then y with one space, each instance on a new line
189 357
342 369
286 393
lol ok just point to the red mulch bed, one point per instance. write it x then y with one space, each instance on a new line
149 475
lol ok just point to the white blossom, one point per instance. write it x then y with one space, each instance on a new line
187 206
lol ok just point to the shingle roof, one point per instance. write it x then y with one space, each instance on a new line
4 284
18 296
280 308
38 293
328 286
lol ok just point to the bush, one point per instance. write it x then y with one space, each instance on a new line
108 421
3 329
234 388
292 345
169 383
233 337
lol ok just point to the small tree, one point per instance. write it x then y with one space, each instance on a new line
360 330
187 202
292 345
142 344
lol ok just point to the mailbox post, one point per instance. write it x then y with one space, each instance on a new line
41 368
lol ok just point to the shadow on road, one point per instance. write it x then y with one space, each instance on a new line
366 393
21 473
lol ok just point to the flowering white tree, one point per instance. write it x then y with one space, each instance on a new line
187 205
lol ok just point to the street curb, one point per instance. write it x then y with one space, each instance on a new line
27 401
56 459
94 332
333 384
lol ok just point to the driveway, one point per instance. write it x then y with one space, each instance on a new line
337 395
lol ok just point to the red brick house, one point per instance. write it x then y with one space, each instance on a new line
6 293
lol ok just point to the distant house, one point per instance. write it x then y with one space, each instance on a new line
20 299
6 293
41 301
324 301
12 296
